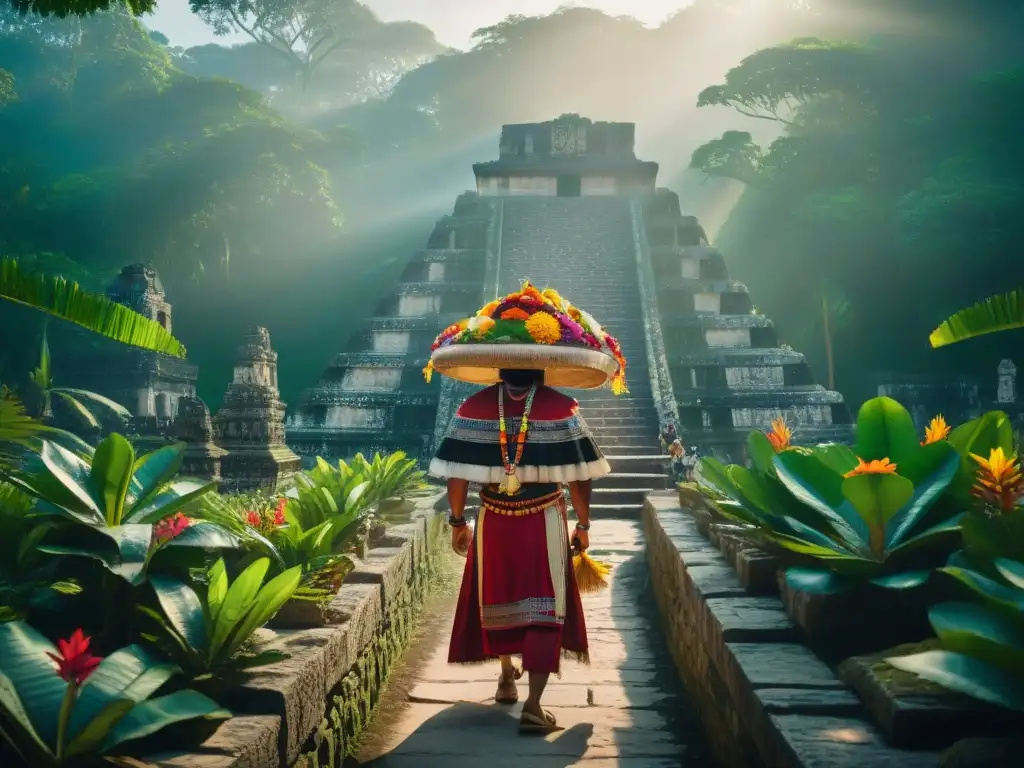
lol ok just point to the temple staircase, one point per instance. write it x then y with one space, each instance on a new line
583 247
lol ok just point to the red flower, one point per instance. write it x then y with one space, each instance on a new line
75 663
279 512
170 527
252 517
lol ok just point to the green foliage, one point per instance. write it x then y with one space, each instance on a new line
982 641
107 504
51 722
67 301
64 8
852 511
392 476
212 634
1004 312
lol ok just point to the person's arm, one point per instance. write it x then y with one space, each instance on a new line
458 492
579 492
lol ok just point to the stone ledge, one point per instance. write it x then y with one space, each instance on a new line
308 709
766 700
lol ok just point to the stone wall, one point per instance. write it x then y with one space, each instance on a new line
765 699
309 710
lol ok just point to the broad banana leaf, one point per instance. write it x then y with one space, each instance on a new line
1004 312
57 297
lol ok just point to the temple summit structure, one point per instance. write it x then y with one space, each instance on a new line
568 204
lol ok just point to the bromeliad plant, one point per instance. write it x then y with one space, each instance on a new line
117 509
982 653
878 513
64 704
211 635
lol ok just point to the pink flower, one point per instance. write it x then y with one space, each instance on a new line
170 527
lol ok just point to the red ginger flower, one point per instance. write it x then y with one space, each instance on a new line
75 663
279 512
253 518
170 527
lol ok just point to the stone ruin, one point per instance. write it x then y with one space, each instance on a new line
148 384
194 428
250 422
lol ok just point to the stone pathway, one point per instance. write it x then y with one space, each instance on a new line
436 713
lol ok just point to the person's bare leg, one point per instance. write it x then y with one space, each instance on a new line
538 682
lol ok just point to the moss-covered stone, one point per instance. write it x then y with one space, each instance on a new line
915 713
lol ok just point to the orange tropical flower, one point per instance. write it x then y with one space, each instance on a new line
999 480
780 435
873 467
515 314
488 309
937 430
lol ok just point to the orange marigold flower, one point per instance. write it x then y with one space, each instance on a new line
873 467
543 328
999 480
515 314
780 436
937 430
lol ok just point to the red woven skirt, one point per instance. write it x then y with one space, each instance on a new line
508 604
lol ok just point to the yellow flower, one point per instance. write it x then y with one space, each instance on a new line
488 309
999 480
780 435
937 430
428 372
552 297
873 467
543 328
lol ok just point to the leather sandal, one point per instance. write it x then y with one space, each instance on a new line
530 723
507 691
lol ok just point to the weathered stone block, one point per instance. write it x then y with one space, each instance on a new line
757 571
983 753
916 714
391 567
241 742
360 606
811 741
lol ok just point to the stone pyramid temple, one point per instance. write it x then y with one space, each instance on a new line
568 204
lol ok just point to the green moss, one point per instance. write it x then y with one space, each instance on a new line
896 682
351 704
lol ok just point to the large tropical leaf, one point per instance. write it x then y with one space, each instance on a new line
65 300
1003 312
33 677
964 674
154 715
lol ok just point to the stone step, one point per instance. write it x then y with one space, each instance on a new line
616 511
643 464
599 421
611 447
657 481
627 429
613 496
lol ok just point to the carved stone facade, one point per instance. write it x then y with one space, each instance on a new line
372 397
194 428
148 384
729 373
570 156
250 422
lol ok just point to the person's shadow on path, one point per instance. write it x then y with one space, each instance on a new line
466 734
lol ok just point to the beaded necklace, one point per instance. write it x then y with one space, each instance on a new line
510 485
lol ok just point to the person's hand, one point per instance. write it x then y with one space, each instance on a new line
462 537
581 539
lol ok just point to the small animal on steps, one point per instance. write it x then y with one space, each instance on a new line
590 697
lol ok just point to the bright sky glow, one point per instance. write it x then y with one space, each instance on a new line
452 20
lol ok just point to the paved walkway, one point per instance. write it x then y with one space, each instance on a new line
624 710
